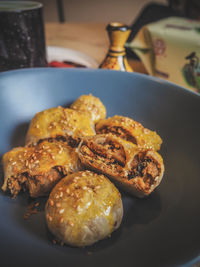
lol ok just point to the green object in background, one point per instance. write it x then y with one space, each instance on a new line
170 49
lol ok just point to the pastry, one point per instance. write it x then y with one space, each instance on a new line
82 208
59 122
38 168
136 170
131 131
91 105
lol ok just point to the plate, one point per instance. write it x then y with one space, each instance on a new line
161 230
66 54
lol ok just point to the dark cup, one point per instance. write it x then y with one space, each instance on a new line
22 40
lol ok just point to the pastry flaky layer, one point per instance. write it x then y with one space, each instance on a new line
83 208
59 121
131 131
38 168
137 170
92 105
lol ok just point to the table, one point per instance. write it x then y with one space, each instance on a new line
89 38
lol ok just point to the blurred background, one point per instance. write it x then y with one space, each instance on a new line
126 11
95 10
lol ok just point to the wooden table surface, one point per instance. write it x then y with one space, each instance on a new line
89 38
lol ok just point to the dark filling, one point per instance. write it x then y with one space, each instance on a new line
144 167
108 151
118 131
38 185
65 139
107 157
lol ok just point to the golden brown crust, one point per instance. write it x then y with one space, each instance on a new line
38 168
131 131
138 171
59 121
83 208
92 105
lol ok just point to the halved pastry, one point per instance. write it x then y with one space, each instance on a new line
131 131
55 122
92 105
138 171
82 208
37 168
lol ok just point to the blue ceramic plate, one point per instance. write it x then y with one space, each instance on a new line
162 230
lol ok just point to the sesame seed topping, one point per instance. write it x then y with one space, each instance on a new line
58 205
61 220
51 202
61 211
68 191
71 223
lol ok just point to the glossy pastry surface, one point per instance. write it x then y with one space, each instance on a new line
59 122
138 171
37 168
92 105
83 208
131 131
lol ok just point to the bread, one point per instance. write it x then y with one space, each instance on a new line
83 208
38 168
92 105
131 131
59 122
136 170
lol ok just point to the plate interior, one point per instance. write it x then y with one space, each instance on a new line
161 230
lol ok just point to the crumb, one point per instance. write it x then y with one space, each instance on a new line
32 209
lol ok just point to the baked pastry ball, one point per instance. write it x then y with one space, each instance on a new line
59 122
38 168
92 105
82 208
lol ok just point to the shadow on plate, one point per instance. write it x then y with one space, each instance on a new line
19 134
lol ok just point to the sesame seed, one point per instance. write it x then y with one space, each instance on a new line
61 211
50 218
61 194
71 223
51 202
78 208
58 205
68 191
98 187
